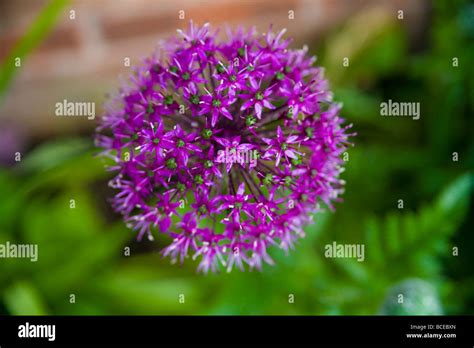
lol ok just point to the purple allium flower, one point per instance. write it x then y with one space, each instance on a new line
228 148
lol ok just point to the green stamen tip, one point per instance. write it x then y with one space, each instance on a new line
180 186
198 179
250 120
168 100
220 68
206 133
268 179
171 163
195 99
150 109
296 161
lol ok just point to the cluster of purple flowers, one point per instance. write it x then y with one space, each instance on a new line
197 97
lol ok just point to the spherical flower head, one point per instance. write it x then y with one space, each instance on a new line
228 147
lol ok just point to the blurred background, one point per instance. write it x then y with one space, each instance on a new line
75 50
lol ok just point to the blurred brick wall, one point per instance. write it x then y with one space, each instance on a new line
81 58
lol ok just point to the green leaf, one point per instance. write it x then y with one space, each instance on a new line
374 246
140 290
374 41
412 297
53 154
85 260
454 200
411 241
22 298
35 34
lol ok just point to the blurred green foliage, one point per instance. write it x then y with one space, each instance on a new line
408 251
36 33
